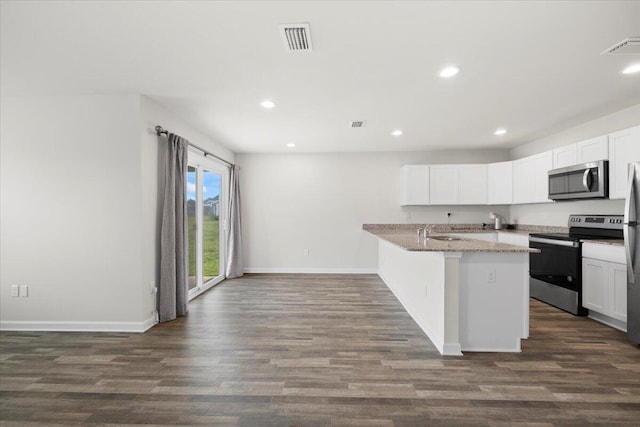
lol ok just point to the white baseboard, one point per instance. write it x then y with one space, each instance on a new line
312 270
66 326
609 321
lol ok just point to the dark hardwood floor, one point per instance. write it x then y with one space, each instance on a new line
305 350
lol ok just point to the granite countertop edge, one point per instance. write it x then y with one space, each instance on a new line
404 236
409 241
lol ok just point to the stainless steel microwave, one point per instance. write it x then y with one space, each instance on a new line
584 181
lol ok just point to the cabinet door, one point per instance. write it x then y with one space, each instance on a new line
500 183
542 164
565 156
624 147
511 238
523 180
618 291
593 149
472 184
595 291
443 184
415 185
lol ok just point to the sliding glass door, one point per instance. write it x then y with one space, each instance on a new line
206 216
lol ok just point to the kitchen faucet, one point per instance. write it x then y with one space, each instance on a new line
426 231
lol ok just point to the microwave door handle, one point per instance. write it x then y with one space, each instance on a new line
586 180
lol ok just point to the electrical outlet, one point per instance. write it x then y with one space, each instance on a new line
15 290
305 252
24 291
153 288
491 277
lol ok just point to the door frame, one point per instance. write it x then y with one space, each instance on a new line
201 162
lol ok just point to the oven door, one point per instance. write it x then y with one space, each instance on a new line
558 263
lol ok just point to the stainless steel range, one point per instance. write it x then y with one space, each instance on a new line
556 272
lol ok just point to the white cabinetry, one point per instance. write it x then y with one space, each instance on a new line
458 184
530 178
500 183
604 283
565 156
511 238
590 150
593 149
472 184
443 184
624 147
414 185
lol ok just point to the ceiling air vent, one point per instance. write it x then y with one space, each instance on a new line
296 37
628 46
357 123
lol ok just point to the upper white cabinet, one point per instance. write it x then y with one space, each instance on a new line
565 156
530 178
458 184
472 184
443 184
414 185
593 149
590 150
500 183
624 147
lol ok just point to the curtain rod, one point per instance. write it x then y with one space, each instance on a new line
160 130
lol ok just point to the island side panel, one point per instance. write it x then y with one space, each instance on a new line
417 280
494 301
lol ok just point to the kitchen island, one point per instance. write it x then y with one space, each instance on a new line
465 294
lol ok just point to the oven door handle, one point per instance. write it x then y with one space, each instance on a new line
554 242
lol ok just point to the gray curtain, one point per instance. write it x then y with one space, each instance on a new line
234 267
173 259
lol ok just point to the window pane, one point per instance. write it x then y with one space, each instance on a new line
191 225
211 225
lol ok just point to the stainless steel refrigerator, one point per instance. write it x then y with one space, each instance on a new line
632 249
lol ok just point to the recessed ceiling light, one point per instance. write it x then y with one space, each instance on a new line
267 104
291 145
396 132
449 71
632 69
500 131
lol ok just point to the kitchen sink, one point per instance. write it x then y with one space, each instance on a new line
445 238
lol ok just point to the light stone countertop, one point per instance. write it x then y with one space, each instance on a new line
611 242
408 239
465 228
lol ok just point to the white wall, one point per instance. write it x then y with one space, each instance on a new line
71 197
558 212
606 124
81 184
319 202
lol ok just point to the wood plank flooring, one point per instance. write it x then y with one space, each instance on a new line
305 350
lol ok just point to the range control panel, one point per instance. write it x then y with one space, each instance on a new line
614 222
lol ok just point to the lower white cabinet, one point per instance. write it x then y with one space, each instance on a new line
604 283
511 238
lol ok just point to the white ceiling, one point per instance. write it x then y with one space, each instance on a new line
532 67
